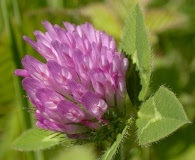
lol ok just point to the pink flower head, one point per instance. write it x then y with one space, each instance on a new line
82 78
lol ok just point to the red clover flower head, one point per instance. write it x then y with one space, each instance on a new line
83 77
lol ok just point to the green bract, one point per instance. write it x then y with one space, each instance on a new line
110 153
37 139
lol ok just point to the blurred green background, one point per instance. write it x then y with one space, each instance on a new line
171 25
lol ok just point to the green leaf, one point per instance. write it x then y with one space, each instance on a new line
135 45
37 139
110 153
159 116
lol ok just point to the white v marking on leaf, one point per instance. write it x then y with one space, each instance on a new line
157 116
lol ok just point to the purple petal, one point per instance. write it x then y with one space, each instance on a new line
89 32
66 128
35 68
103 63
41 38
121 89
59 76
31 42
46 123
81 68
31 86
48 98
57 46
124 65
51 30
77 90
48 114
54 115
80 44
21 72
94 105
41 125
43 48
108 41
71 111
98 87
79 31
70 28
59 73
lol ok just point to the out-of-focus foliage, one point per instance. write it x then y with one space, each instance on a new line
171 25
